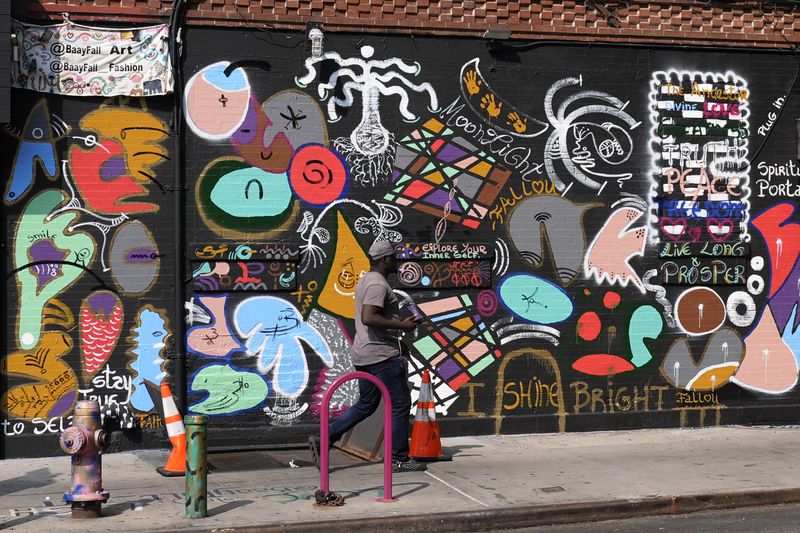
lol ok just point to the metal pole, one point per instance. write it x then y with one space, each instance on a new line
196 466
179 230
324 435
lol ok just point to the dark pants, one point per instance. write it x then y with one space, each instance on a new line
393 374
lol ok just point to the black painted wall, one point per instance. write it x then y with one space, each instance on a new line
599 237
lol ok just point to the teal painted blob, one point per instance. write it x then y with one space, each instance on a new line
646 323
535 299
252 192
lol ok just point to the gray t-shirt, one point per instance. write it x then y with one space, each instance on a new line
372 345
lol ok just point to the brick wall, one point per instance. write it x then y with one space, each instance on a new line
748 23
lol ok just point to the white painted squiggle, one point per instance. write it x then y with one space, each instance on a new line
372 78
383 218
588 141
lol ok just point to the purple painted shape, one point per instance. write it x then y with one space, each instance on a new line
448 369
113 168
141 255
102 301
45 250
63 404
206 283
440 197
324 432
451 153
786 298
395 175
249 129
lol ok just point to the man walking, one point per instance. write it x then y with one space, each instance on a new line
376 350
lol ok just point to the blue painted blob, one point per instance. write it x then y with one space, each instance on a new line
252 192
535 299
274 328
36 147
215 75
147 361
25 166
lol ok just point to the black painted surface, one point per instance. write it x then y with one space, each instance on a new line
541 380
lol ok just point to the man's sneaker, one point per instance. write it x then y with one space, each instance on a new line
313 446
409 466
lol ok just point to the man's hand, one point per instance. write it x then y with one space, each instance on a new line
408 324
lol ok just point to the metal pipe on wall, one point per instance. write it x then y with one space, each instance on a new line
179 202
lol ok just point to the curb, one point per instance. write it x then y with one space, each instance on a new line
529 515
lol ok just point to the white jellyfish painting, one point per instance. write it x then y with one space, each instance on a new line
370 149
273 329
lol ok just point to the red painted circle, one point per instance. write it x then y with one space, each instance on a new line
317 175
611 300
589 326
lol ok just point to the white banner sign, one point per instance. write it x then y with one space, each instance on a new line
76 60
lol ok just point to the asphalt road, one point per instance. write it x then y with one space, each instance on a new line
773 519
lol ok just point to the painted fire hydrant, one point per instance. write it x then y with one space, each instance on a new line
84 441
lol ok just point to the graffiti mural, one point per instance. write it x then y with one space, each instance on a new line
84 191
619 244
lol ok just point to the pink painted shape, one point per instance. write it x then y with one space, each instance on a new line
216 339
466 163
774 371
439 358
208 114
609 255
474 350
440 306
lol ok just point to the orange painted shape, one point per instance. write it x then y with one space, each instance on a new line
338 293
713 378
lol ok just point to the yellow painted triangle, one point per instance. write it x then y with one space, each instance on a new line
338 294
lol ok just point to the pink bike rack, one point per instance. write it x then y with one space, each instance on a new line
387 433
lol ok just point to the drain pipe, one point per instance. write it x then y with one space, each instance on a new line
179 207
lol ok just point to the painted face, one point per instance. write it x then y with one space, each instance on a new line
270 133
251 192
102 177
346 281
285 322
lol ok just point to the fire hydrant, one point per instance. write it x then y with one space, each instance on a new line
84 441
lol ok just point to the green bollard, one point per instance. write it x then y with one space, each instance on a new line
196 466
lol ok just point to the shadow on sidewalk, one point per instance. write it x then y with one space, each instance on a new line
230 506
339 468
457 449
33 479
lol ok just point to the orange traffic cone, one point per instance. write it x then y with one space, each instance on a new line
176 463
426 445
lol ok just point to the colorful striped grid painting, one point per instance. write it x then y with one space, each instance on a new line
434 169
458 346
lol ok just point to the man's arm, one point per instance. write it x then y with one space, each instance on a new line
371 316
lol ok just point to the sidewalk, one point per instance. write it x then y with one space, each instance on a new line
492 482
